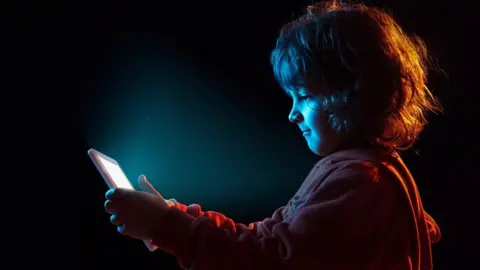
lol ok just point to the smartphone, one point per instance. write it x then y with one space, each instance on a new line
114 177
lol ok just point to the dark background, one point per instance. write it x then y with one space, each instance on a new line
63 62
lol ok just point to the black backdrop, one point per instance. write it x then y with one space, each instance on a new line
57 57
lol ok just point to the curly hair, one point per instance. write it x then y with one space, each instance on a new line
373 74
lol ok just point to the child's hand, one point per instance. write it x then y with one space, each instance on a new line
136 213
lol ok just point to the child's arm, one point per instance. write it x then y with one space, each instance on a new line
220 220
330 231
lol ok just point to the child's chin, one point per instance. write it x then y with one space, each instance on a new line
320 150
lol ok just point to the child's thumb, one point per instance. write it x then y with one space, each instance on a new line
146 186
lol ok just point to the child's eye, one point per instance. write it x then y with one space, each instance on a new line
304 96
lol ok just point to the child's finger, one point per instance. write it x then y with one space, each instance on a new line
147 186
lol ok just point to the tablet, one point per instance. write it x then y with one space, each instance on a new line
114 176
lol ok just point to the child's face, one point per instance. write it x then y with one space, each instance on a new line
308 114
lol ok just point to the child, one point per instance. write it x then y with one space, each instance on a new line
358 86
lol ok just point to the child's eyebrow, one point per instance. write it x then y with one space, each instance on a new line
302 90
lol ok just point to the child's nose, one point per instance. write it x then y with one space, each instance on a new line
294 116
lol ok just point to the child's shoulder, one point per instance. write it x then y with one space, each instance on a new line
358 165
358 156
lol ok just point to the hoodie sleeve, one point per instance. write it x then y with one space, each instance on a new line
330 231
220 220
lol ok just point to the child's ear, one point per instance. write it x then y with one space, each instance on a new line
333 121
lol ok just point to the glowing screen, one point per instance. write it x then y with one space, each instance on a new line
117 174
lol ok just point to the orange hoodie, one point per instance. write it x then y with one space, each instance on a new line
358 209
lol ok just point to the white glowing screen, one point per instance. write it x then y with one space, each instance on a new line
117 174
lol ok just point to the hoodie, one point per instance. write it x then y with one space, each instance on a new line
357 209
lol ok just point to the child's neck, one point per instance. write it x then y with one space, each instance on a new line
355 143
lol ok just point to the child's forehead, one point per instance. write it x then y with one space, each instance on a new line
290 93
